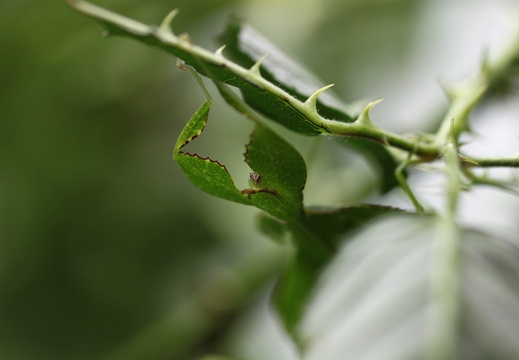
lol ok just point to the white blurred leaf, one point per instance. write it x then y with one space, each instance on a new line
375 301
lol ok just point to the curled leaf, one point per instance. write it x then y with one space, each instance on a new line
208 175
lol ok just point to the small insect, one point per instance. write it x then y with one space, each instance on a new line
254 179
257 185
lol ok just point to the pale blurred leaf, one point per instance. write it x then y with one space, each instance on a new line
374 301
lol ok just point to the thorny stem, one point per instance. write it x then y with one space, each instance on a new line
463 98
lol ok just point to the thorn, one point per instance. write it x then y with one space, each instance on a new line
219 51
451 140
311 102
166 23
451 132
255 69
364 117
468 160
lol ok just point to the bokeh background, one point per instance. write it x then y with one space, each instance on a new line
108 252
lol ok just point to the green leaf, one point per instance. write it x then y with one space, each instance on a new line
208 175
296 282
280 174
277 182
315 238
246 46
194 126
377 299
279 171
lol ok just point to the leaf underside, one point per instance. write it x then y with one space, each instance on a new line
316 238
374 301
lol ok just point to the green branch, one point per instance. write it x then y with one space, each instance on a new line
497 162
465 96
216 66
445 312
303 116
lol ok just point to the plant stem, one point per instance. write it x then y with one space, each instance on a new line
424 149
444 314
164 38
502 162
463 99
399 174
465 96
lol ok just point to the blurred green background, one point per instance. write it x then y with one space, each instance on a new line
106 250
